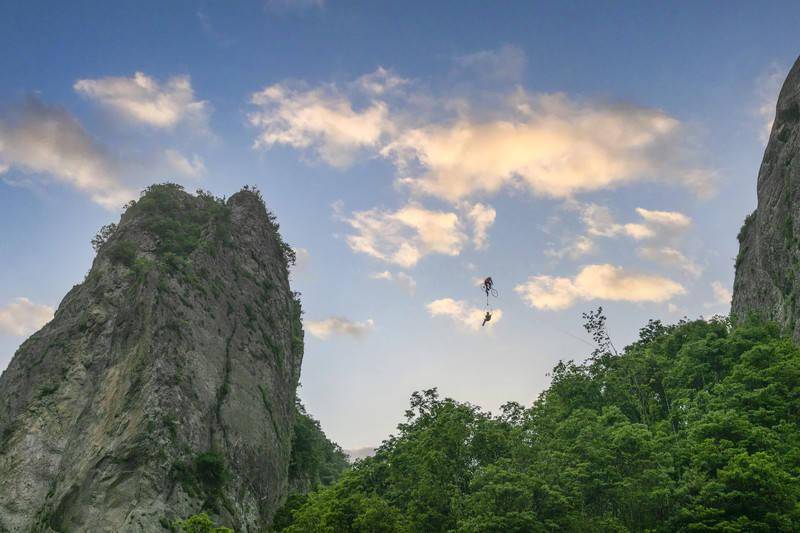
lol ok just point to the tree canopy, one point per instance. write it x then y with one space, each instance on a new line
694 427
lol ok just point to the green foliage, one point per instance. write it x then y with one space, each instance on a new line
691 428
206 474
296 324
211 471
289 255
315 459
142 266
47 390
200 523
123 252
181 222
748 223
102 236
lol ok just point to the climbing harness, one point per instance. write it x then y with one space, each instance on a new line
488 287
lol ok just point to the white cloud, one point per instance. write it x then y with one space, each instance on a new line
482 217
141 99
575 248
657 230
462 313
23 317
604 282
405 236
457 147
599 221
656 225
402 279
505 64
662 224
551 145
380 82
177 162
768 85
323 329
44 139
667 255
722 294
322 120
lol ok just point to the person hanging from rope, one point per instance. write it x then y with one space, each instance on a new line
488 287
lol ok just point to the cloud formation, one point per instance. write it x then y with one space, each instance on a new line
505 64
322 120
575 248
482 217
722 294
596 282
401 279
141 99
41 139
22 317
654 225
177 162
462 313
405 236
658 233
669 256
549 144
323 329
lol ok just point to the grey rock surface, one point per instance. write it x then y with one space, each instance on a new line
165 384
767 281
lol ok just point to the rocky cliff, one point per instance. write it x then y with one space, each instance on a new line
165 384
768 264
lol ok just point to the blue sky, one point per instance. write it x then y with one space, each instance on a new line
581 153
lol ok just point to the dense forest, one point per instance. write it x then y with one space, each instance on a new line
693 427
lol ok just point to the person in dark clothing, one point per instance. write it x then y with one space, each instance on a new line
488 286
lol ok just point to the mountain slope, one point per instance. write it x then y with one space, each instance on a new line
166 382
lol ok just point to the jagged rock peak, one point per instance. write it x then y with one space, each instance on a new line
767 280
165 384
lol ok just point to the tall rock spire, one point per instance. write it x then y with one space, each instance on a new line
165 384
768 263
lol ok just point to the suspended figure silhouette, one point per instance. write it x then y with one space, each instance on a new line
488 287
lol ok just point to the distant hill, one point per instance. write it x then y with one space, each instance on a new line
359 453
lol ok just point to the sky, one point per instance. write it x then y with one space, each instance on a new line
582 154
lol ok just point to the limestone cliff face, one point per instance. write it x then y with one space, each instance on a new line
165 384
768 264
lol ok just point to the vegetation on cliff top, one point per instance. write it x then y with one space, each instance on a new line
181 223
693 427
